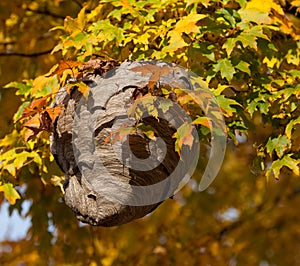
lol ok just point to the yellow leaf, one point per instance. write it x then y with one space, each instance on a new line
265 6
143 39
21 159
295 3
271 62
10 193
10 168
188 24
10 139
81 19
75 26
58 181
84 89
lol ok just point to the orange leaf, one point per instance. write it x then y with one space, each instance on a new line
155 71
66 65
33 125
107 139
204 121
54 112
35 106
34 122
29 134
122 133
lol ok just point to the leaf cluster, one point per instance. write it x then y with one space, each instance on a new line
247 54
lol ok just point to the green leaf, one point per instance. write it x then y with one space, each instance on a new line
258 105
106 32
286 161
165 105
229 45
116 13
226 104
148 130
23 89
289 127
225 67
244 66
10 193
227 16
257 31
279 144
241 2
248 38
18 114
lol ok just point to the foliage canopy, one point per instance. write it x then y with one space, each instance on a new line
247 53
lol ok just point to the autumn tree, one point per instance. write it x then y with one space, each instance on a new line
246 53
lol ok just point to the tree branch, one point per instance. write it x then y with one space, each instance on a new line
78 3
25 54
45 12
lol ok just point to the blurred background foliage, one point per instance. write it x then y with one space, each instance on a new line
246 51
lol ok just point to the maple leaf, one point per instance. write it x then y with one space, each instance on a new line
42 121
98 66
267 6
46 122
10 193
289 127
83 88
120 134
35 106
183 136
156 72
225 67
188 24
286 161
142 104
75 26
148 130
204 121
185 25
33 126
65 65
54 112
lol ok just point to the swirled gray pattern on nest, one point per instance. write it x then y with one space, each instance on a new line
112 95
